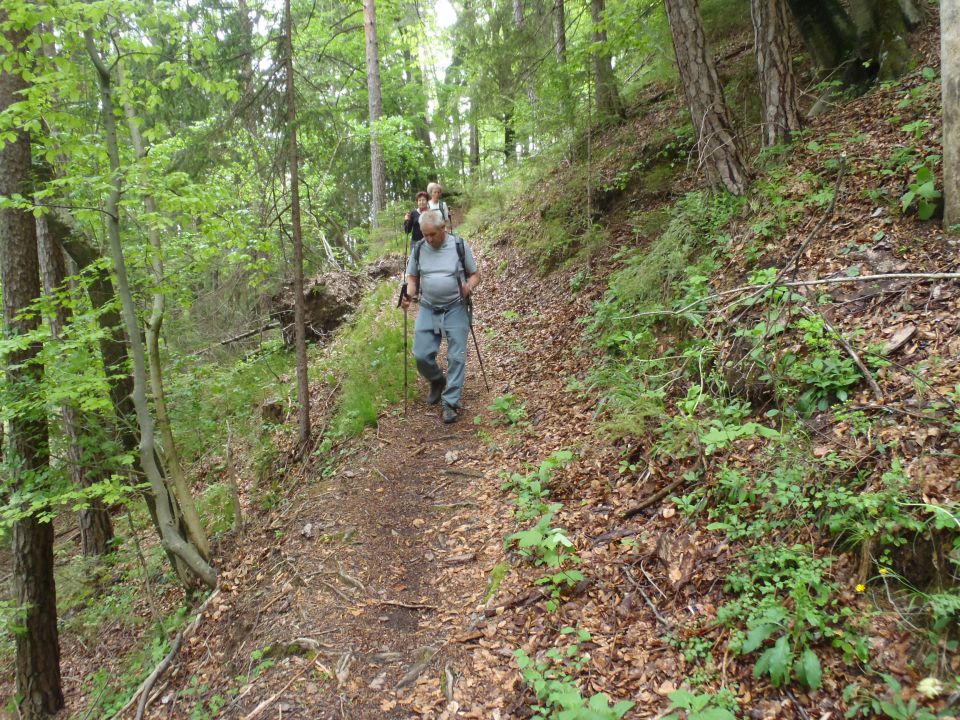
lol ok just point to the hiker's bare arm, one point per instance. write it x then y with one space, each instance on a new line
471 284
412 281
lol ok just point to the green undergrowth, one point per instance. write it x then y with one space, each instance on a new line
553 675
740 397
823 540
366 361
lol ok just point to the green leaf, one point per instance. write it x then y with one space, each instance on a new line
810 670
756 637
716 713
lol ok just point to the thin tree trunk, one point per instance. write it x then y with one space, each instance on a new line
474 142
717 144
950 87
605 82
778 88
171 456
560 48
37 662
303 387
86 469
375 105
170 535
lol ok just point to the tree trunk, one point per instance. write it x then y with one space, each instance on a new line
560 48
174 467
950 87
605 82
882 31
474 142
170 535
37 662
509 138
86 467
827 31
375 104
778 88
303 387
717 144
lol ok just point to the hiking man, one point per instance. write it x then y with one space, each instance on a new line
435 203
411 221
442 268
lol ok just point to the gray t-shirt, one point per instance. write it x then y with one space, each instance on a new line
440 271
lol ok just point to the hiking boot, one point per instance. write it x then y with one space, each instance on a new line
436 390
449 413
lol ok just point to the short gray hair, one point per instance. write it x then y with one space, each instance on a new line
433 186
433 218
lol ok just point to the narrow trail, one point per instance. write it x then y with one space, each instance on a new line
376 593
350 602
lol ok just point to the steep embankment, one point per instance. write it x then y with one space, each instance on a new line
678 491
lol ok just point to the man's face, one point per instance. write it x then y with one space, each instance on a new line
434 236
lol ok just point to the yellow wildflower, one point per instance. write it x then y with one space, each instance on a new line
883 571
861 587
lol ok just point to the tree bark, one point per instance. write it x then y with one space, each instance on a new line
717 144
778 88
605 82
950 88
170 535
827 31
37 662
474 142
86 467
375 105
303 387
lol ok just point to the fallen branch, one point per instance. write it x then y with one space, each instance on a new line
655 498
272 699
152 678
877 392
408 606
796 283
251 333
157 672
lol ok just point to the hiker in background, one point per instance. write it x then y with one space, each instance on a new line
435 191
443 269
411 221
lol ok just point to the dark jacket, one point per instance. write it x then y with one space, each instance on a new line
413 224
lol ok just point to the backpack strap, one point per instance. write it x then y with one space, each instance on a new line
416 253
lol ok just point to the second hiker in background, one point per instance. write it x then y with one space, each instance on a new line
435 191
411 221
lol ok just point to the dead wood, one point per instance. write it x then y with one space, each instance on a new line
655 498
273 698
165 663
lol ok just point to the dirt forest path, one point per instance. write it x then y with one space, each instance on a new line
361 597
376 592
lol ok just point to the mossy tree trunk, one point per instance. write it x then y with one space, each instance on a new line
882 32
717 144
606 93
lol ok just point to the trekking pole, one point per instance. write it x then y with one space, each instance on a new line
469 303
403 294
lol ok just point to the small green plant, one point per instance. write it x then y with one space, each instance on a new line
922 191
545 544
551 679
705 706
509 409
